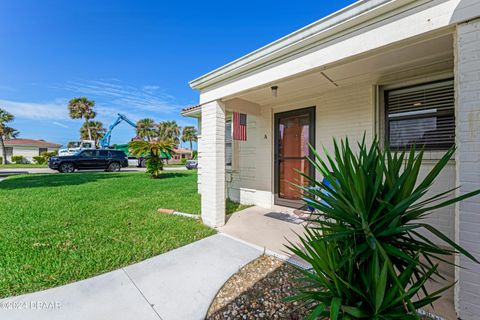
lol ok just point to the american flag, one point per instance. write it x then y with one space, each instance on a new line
239 126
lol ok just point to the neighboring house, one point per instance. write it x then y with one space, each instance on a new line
179 154
28 148
407 71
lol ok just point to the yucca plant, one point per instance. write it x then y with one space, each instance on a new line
369 259
154 152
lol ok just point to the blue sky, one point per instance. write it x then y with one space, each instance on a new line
133 57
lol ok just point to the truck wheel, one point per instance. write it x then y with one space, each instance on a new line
114 167
67 167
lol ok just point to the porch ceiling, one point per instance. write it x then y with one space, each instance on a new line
434 55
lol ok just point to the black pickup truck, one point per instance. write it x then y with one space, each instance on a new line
109 160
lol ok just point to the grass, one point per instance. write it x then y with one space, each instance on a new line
59 228
23 165
232 207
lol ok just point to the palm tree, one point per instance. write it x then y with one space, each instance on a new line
169 130
82 108
146 129
6 132
189 134
155 151
97 131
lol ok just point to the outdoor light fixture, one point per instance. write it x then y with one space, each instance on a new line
274 91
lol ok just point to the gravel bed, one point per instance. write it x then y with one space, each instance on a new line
257 292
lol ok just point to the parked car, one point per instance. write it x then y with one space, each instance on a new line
133 162
109 160
191 164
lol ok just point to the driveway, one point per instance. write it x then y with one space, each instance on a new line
179 284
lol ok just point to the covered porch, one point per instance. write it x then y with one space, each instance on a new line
345 99
404 71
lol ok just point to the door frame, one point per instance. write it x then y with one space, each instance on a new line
276 176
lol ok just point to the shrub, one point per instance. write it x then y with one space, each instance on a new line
183 161
1 160
39 160
369 260
155 151
48 155
154 165
19 159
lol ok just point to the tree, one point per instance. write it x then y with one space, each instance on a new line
6 132
146 129
82 108
189 134
169 130
97 131
154 152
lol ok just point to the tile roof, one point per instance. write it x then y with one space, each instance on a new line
31 143
182 150
191 108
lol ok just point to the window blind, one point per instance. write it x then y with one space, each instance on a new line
421 115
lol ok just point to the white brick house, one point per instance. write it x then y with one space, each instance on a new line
407 71
27 148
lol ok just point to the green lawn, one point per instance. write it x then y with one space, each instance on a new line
59 228
232 207
25 165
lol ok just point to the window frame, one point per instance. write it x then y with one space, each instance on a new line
386 121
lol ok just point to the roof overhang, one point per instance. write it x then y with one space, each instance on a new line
194 111
349 17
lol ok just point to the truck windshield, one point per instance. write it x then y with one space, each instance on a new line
74 144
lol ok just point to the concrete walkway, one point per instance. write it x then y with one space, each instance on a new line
267 228
179 284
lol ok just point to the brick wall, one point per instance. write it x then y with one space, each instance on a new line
467 69
212 163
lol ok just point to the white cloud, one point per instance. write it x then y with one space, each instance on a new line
148 100
150 88
56 110
60 124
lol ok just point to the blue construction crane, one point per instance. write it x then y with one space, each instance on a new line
105 141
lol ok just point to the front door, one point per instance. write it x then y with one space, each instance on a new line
294 131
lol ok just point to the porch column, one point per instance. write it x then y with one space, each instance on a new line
212 164
467 224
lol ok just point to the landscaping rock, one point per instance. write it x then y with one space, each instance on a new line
257 292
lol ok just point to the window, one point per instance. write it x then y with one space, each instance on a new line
421 115
89 153
103 153
228 143
42 150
